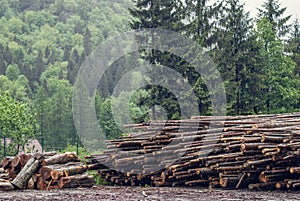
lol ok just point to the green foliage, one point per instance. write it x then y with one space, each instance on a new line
16 123
271 11
82 152
99 181
231 54
43 43
280 92
113 114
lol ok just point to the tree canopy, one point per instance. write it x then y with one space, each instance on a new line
44 43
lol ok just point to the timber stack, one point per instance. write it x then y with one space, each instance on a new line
45 171
255 152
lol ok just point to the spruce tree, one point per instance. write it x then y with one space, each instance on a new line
164 14
231 53
272 11
202 19
293 46
279 84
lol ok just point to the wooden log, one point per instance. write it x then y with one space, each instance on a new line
263 186
229 182
281 185
13 171
198 182
6 186
24 159
240 181
5 176
67 171
16 161
272 177
256 163
294 170
276 139
27 172
61 159
41 184
32 183
45 171
6 162
76 181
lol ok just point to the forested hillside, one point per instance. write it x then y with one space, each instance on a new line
42 45
44 42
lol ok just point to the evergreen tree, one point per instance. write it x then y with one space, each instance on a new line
164 14
231 53
272 11
202 19
3 64
279 91
87 42
293 46
39 66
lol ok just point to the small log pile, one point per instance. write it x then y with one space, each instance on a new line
45 171
255 152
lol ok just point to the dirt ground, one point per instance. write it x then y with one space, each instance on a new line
148 194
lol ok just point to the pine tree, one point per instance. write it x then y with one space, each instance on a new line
164 14
3 65
272 11
232 53
202 19
279 92
293 46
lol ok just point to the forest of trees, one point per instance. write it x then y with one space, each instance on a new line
43 43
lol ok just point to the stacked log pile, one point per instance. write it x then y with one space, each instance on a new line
255 152
45 171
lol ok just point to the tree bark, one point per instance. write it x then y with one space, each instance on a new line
61 159
27 172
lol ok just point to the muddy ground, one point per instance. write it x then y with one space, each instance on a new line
149 194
